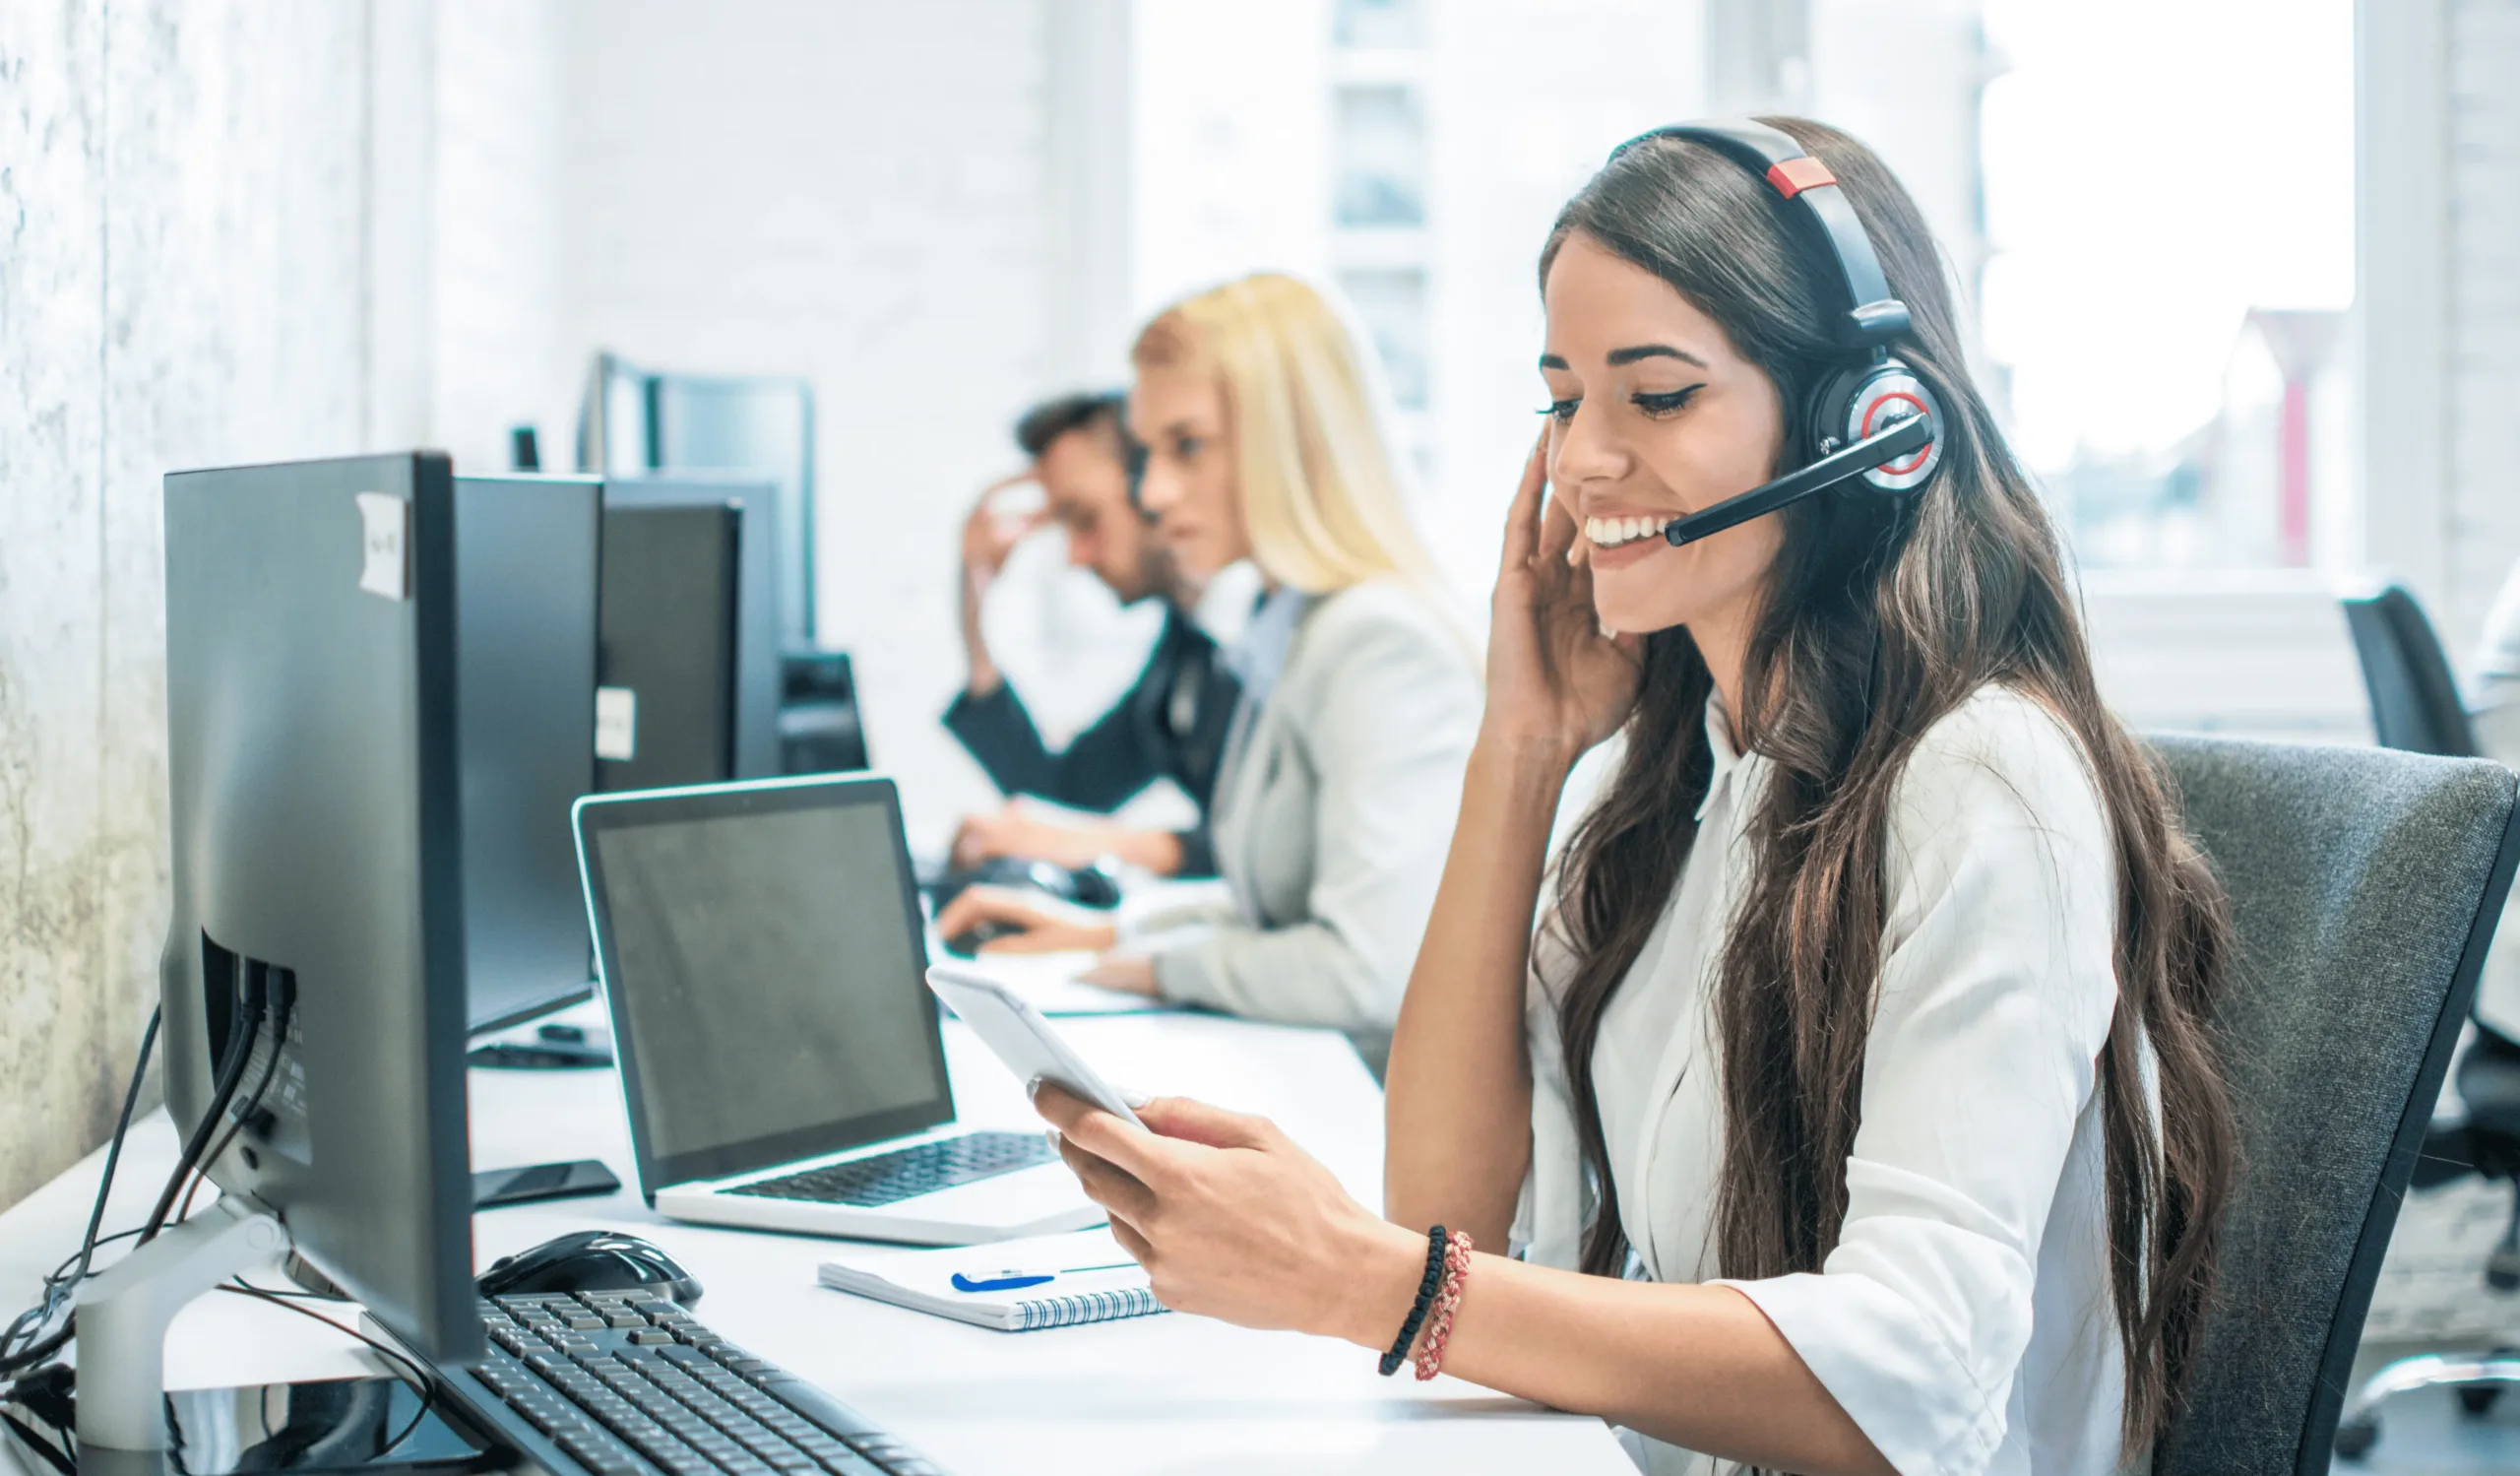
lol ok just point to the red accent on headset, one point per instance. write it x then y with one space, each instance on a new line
1796 175
1874 409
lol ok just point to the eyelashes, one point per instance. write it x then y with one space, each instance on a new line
1653 405
1657 406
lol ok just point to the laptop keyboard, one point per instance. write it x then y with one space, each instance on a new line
908 1173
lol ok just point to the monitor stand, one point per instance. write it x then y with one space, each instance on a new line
130 1426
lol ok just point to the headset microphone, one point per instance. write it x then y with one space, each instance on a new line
1907 438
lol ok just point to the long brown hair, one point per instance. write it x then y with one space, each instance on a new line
1879 618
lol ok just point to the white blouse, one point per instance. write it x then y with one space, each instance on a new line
1964 1319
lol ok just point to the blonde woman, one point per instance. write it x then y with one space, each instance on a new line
1335 801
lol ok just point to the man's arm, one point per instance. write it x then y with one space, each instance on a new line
987 539
1107 764
999 733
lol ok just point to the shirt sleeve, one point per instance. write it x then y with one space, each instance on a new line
1099 770
1198 852
1554 1205
997 730
1387 741
1997 986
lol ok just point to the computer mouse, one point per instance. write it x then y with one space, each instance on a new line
1094 886
968 943
1086 886
590 1261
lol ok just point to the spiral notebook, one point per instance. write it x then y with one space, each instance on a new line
1013 1286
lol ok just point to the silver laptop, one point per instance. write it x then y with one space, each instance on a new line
761 950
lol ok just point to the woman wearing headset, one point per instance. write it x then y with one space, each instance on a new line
1342 771
1855 1109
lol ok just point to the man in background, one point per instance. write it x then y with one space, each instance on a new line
1171 724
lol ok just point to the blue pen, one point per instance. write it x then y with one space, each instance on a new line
1013 1280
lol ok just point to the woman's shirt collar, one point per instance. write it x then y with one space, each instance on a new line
1732 769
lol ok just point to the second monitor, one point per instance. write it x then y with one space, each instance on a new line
688 635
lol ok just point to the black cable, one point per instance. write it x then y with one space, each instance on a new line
234 1060
113 1150
253 1104
417 1377
40 1446
14 1366
61 1273
36 1356
231 1071
55 1285
42 1311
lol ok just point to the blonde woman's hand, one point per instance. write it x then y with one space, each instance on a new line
1556 685
1027 923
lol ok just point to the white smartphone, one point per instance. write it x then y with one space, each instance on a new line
1018 1035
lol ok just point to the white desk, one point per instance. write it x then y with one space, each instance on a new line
1170 1394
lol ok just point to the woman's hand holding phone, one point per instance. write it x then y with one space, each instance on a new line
1557 683
1233 1221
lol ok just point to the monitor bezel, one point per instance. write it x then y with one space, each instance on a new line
596 814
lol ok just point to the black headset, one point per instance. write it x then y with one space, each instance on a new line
1871 421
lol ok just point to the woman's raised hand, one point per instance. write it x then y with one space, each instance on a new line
1557 683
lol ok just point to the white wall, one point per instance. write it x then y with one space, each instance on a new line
499 355
1529 98
2437 320
1230 152
2484 311
1905 76
189 280
856 194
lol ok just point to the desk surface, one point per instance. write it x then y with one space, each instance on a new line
1169 1395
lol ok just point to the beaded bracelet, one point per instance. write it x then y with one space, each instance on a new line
1426 1287
1439 1329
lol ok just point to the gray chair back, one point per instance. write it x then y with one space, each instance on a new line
2414 700
2364 887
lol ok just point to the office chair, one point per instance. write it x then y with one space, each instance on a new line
2364 888
2415 706
2415 701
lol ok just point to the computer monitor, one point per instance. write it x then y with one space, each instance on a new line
526 549
820 730
759 425
688 665
316 737
613 420
762 425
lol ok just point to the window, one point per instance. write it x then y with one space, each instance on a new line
1380 147
1392 301
2165 302
1373 25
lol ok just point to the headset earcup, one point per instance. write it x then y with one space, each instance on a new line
1877 395
1826 415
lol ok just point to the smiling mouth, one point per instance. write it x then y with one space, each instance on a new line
1613 533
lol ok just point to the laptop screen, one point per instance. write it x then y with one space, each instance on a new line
763 954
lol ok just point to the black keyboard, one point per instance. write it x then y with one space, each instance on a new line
627 1384
907 1173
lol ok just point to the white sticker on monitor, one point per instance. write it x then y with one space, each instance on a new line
616 722
385 564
